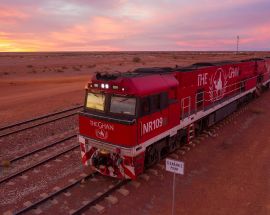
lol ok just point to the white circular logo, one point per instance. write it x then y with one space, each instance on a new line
101 133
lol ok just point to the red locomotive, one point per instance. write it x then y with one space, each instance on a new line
131 120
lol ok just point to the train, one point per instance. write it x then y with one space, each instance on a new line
132 120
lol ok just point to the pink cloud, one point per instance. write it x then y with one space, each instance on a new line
133 25
95 33
11 15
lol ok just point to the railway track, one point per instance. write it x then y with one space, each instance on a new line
43 161
52 195
41 148
98 199
92 201
37 121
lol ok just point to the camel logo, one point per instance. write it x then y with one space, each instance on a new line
101 133
218 83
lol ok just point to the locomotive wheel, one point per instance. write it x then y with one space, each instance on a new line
152 156
174 144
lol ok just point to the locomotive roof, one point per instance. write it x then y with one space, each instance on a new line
200 65
135 82
153 70
136 73
145 71
252 59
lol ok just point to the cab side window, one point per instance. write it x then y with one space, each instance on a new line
155 103
145 106
164 100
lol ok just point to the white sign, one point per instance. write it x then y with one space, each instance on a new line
175 166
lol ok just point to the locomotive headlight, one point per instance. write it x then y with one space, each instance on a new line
104 152
115 87
96 85
102 86
107 86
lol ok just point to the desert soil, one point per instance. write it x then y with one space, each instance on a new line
228 174
224 175
32 84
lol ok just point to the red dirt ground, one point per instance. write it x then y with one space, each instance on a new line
228 174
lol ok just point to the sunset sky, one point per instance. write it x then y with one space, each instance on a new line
139 25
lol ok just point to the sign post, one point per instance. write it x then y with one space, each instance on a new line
177 167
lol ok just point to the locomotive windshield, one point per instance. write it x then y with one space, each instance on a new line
123 105
95 101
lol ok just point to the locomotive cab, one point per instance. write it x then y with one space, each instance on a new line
121 117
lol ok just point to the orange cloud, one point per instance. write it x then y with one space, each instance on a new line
24 43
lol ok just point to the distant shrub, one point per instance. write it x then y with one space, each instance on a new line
64 67
6 73
136 60
60 70
5 163
92 66
76 68
257 110
30 66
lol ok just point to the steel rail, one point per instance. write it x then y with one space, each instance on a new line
35 204
9 177
35 125
41 148
99 198
38 118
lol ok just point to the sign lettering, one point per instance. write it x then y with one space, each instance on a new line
152 125
202 79
175 166
101 125
233 72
